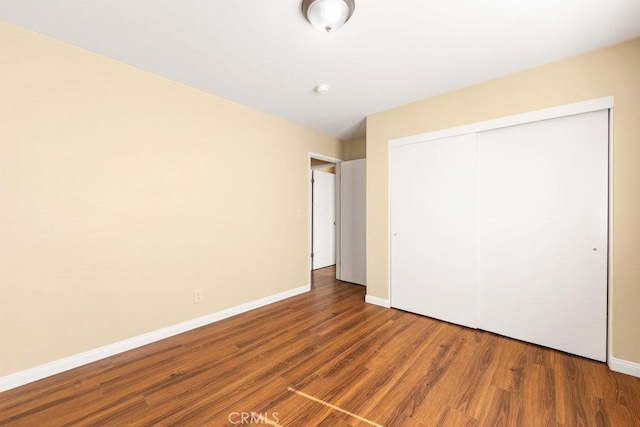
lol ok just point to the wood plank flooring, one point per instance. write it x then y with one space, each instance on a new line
328 359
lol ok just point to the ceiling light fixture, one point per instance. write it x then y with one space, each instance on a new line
328 15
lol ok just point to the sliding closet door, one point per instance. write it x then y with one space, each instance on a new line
433 199
543 194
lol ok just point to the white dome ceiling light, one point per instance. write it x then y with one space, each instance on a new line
328 15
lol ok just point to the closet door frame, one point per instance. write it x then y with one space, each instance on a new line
605 103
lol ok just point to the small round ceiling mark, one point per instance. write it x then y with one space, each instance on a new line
322 88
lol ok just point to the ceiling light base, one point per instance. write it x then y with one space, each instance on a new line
328 15
322 88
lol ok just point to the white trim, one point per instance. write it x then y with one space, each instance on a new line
338 220
624 366
610 246
323 158
517 119
389 231
370 299
52 368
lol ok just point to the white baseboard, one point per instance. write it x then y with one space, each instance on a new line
624 366
370 299
48 369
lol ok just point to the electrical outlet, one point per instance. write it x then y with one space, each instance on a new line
197 296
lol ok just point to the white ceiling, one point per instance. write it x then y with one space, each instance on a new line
264 54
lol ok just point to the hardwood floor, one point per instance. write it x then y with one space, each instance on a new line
328 359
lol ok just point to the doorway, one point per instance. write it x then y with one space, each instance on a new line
324 208
344 219
323 214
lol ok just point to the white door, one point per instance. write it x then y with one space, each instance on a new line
433 199
353 219
543 232
324 208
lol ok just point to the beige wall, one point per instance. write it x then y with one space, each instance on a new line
611 71
354 149
121 192
327 166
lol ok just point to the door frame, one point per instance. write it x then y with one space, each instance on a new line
337 162
598 104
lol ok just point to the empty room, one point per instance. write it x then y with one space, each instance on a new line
320 212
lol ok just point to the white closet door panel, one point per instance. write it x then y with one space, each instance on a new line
324 217
353 220
433 196
543 195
